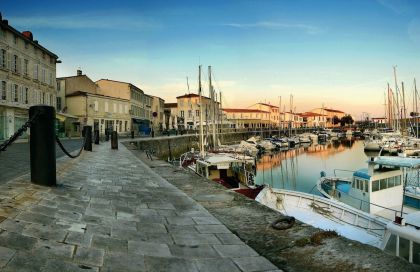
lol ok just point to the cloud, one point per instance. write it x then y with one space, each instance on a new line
310 29
84 21
414 30
397 6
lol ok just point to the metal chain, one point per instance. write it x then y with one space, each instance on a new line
18 133
60 144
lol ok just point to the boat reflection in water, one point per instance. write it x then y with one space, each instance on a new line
298 169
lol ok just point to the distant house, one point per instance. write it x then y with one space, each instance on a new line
171 115
247 118
312 119
330 113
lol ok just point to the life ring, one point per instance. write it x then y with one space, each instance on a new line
283 223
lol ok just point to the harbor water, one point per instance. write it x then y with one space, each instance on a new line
299 169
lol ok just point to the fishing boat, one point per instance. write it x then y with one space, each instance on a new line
326 214
378 189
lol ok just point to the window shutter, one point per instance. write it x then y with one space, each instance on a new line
19 64
9 60
1 57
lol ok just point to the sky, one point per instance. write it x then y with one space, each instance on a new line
332 53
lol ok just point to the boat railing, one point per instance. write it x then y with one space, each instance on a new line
361 200
343 170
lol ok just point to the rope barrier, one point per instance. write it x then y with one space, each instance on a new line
60 144
17 134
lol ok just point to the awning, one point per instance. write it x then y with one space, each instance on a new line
63 116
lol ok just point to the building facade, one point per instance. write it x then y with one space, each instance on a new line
27 77
81 97
188 110
313 120
140 103
330 114
158 114
171 115
247 118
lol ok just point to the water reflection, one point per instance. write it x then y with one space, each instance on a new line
298 169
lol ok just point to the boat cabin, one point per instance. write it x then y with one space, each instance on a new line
403 239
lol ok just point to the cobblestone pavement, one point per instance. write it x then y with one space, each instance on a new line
112 213
15 160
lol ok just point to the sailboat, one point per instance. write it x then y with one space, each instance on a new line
234 171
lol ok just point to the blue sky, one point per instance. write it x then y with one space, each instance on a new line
336 53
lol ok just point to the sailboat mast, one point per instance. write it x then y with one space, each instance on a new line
396 93
417 110
201 113
404 110
220 115
279 115
212 111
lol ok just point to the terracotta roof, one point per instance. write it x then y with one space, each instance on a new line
332 110
311 114
191 95
244 110
171 105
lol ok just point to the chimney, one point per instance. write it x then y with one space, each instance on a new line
28 35
79 72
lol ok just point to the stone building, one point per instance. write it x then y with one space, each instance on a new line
188 110
247 118
330 113
80 96
27 77
158 115
140 108
171 115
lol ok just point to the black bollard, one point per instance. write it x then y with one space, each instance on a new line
132 134
42 145
88 137
114 140
96 133
106 135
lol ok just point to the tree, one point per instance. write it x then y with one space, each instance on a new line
336 120
347 120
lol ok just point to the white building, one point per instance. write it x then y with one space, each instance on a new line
27 77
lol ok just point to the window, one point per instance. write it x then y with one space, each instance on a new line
189 114
383 184
375 185
50 79
95 106
25 67
3 90
59 103
36 67
182 113
3 58
15 63
15 39
197 113
106 106
115 108
15 93
43 75
126 126
43 98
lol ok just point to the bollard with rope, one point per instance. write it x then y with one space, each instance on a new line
42 147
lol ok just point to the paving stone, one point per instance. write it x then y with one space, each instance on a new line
100 212
25 262
151 228
157 264
124 262
59 265
16 241
212 229
68 215
181 229
216 265
192 239
13 225
162 206
206 220
229 239
44 232
35 218
180 220
50 248
89 256
80 239
149 249
5 255
109 244
250 264
193 252
235 251
49 211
